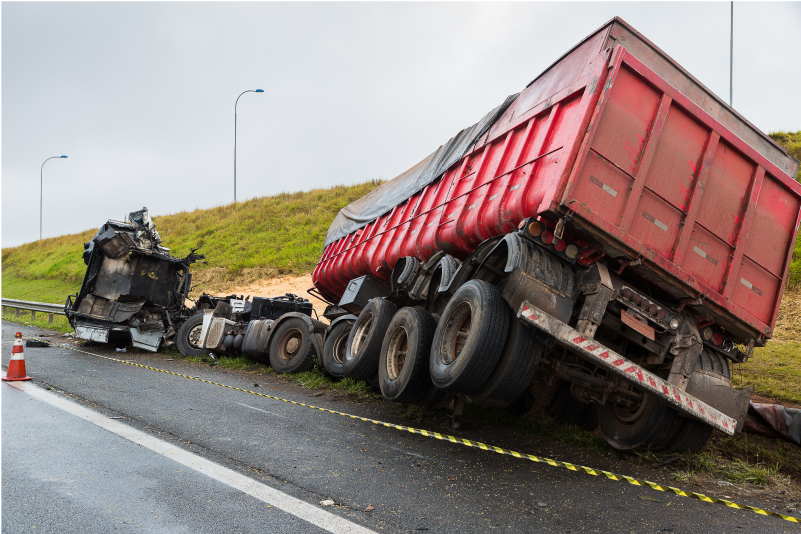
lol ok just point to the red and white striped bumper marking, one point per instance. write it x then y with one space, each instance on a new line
609 359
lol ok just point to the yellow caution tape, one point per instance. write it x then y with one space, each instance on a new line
473 444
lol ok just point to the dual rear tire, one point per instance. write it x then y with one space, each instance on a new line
476 347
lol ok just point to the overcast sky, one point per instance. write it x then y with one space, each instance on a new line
140 96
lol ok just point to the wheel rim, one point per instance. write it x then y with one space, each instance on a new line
396 352
193 338
629 415
460 323
360 337
340 343
290 344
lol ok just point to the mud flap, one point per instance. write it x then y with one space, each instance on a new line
726 399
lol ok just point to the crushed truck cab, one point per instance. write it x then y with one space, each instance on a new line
132 285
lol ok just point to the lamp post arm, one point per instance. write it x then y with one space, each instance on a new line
236 104
41 193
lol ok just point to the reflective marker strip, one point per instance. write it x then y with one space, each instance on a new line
478 445
603 186
300 509
657 222
704 255
751 286
630 371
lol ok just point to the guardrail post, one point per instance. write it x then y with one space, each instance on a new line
18 312
33 315
50 319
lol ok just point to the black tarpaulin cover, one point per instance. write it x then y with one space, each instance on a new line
402 187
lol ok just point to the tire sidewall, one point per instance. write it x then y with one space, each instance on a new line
330 364
182 339
516 366
657 419
413 380
364 363
483 346
298 362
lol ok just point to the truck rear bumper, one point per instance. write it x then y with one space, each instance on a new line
613 362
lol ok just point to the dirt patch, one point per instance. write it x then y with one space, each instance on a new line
274 287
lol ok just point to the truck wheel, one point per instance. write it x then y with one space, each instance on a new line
188 338
516 366
469 338
693 435
403 366
566 408
334 349
364 342
648 422
291 347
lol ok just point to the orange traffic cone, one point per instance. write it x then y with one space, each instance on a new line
16 367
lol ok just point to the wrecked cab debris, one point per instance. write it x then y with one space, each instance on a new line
132 285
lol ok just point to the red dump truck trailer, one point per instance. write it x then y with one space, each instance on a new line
602 246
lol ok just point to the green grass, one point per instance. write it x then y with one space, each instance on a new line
259 238
51 290
791 141
60 323
774 371
740 458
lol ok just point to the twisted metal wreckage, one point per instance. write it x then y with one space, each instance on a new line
132 284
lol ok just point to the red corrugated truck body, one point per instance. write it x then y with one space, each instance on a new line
691 189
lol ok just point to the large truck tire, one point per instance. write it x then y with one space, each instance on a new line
469 338
188 338
566 408
403 366
648 423
693 435
291 347
334 349
516 366
364 341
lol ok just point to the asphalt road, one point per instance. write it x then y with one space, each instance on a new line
414 483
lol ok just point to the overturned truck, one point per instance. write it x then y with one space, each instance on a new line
601 247
132 285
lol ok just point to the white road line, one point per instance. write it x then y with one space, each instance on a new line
260 410
301 509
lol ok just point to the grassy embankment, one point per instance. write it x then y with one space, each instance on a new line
257 239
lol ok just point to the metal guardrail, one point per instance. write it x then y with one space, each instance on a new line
44 307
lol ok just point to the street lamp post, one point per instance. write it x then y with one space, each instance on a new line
237 102
41 190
